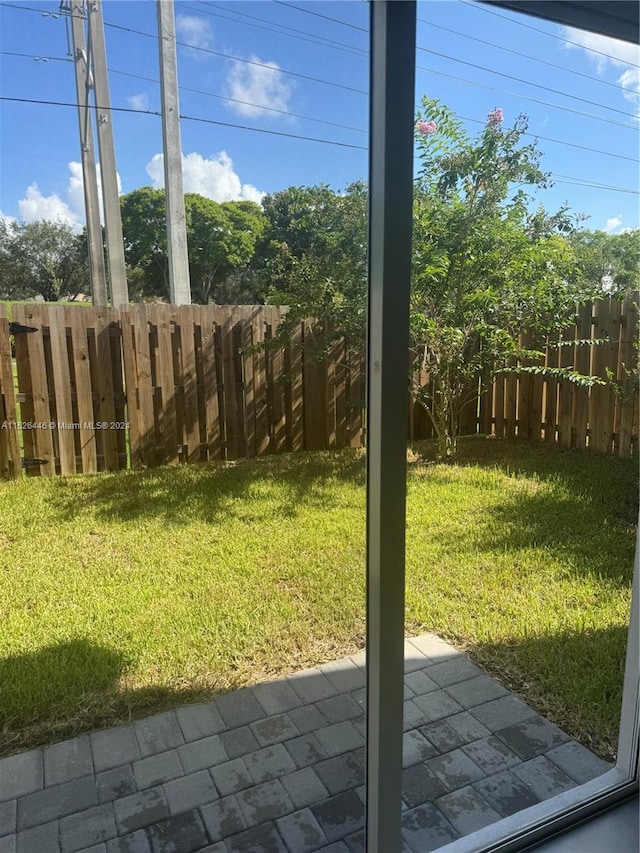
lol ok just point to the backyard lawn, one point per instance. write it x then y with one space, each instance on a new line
122 594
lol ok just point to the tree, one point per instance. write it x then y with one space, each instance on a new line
313 258
221 240
485 267
144 231
42 258
609 262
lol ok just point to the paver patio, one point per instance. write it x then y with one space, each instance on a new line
280 767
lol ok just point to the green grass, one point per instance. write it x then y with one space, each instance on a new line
121 594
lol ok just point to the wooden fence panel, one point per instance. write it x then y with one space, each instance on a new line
258 323
315 390
211 370
10 461
85 434
551 391
106 388
191 387
56 321
580 401
356 378
628 330
277 384
566 356
600 432
30 358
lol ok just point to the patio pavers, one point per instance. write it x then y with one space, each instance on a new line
280 767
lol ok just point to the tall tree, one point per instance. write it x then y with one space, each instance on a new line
43 258
221 241
313 257
485 267
144 230
608 262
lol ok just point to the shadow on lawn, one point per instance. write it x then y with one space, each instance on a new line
586 509
73 687
572 677
209 492
609 482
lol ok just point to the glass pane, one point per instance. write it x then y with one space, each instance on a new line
522 487
183 592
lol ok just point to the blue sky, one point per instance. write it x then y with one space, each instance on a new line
471 58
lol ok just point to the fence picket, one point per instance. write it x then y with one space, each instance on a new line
62 388
10 462
194 391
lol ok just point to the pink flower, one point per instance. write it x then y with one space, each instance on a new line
495 117
426 128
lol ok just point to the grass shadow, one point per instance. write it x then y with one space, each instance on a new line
211 491
542 668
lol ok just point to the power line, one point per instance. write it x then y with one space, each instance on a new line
526 98
271 26
239 101
35 56
319 15
568 178
544 32
363 92
526 82
241 59
314 118
192 118
528 56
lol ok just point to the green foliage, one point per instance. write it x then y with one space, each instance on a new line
614 256
485 268
42 258
221 241
313 258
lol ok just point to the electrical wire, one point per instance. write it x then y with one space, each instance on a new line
314 118
363 92
479 8
270 26
567 178
320 15
189 118
527 98
521 55
526 82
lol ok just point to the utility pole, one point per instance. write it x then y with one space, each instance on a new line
97 271
179 286
110 197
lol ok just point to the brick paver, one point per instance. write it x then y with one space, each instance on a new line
279 767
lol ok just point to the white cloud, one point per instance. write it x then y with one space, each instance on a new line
612 54
214 178
35 205
8 220
194 31
75 190
262 88
139 102
612 223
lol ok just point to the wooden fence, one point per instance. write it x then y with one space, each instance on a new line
95 389
100 389
540 409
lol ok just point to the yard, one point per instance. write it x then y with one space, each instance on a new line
122 594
